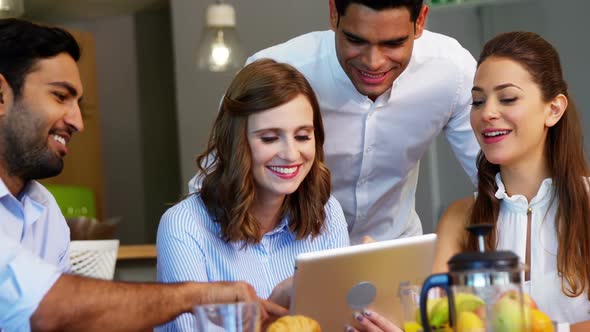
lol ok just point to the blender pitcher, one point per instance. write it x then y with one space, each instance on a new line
484 292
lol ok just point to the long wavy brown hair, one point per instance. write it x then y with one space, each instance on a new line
228 188
565 157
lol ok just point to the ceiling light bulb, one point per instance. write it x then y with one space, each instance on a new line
11 8
219 48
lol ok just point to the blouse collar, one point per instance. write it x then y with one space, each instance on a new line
542 196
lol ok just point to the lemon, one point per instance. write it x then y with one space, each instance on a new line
469 322
412 327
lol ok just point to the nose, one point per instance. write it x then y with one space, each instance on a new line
73 118
374 58
289 151
490 111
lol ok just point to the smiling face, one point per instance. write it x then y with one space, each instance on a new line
375 46
282 145
509 116
36 127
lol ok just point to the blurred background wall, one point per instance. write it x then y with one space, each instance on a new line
157 108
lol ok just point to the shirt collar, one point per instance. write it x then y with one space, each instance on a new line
32 200
3 189
282 226
543 194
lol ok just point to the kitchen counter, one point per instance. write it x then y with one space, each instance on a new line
143 251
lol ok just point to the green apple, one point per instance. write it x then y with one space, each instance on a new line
527 301
508 315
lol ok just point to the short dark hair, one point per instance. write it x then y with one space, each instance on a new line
414 6
23 43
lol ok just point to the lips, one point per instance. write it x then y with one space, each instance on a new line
59 139
372 78
285 172
494 135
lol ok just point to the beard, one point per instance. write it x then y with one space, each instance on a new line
24 149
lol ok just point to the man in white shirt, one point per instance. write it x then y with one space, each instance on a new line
40 89
386 89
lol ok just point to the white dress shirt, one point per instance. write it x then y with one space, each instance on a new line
24 281
34 220
545 284
373 149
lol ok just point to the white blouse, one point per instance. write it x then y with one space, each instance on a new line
545 284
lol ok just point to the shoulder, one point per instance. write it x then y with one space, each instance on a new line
188 216
456 215
40 194
334 215
333 208
299 51
435 46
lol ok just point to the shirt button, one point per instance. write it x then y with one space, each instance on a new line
369 149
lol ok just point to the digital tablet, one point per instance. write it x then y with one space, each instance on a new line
331 285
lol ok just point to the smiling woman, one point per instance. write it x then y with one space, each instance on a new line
265 194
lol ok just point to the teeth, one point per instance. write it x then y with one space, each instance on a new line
372 76
59 139
496 133
283 170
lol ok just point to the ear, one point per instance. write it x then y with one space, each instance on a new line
333 15
421 22
556 109
5 96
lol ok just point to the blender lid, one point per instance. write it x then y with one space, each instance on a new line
494 260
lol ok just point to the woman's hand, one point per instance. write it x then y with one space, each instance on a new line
281 294
370 321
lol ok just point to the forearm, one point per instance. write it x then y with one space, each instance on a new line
81 304
580 327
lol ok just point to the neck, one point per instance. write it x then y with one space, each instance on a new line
524 179
266 211
14 183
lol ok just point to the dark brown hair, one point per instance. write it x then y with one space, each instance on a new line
228 188
413 6
565 158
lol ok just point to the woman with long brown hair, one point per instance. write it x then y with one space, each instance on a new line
532 175
265 193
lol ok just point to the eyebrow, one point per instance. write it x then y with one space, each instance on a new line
498 87
399 40
69 87
306 127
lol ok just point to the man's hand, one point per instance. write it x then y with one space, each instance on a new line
229 292
240 291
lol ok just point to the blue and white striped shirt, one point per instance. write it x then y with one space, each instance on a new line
190 247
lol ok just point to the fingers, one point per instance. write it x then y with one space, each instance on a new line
244 292
369 321
273 309
281 294
367 239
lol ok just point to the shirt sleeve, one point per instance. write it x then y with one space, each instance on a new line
458 130
180 257
24 281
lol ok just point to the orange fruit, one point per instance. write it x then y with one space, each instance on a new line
540 322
